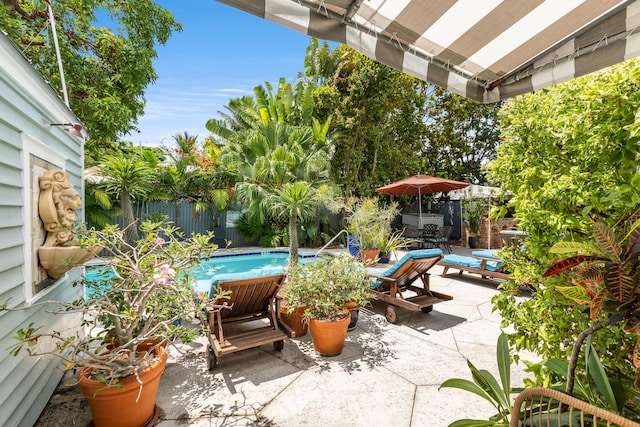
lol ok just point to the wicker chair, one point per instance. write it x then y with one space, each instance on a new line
545 407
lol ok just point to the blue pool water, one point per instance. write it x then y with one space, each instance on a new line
223 267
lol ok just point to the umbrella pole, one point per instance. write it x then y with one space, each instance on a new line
419 210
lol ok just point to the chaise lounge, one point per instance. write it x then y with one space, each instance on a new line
390 286
236 321
486 263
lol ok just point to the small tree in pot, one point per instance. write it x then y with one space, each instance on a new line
128 315
324 287
474 209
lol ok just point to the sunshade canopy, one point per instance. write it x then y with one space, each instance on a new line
485 50
421 184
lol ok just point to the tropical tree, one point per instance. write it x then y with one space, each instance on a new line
128 178
294 200
377 120
570 158
268 158
461 136
107 49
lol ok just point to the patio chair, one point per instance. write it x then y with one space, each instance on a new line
485 263
428 235
394 286
441 238
246 316
545 407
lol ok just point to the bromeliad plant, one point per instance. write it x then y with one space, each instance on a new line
605 276
139 296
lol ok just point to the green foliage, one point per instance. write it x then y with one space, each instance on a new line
370 222
569 157
137 298
377 121
325 286
486 386
108 64
461 137
594 386
474 209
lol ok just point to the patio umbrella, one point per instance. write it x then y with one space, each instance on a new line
418 185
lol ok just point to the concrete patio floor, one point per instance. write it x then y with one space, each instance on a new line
388 374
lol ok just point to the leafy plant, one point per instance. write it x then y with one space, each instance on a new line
395 241
474 209
325 286
486 386
597 388
605 277
370 222
138 297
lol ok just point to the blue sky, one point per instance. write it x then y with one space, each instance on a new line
222 53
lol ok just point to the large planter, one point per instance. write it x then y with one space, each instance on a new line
57 260
473 242
294 320
328 336
133 404
369 255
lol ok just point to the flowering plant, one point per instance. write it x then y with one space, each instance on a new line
135 300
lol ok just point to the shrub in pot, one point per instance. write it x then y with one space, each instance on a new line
370 223
126 319
324 287
474 209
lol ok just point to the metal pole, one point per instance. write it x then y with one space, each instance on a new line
55 43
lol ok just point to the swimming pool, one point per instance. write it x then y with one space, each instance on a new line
224 267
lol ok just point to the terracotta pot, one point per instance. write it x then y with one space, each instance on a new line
132 405
354 309
294 320
328 337
369 255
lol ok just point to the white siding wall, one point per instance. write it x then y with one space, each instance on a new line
26 103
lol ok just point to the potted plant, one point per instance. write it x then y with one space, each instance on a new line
474 209
370 223
324 287
392 243
125 321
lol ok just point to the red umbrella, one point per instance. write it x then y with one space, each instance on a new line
421 184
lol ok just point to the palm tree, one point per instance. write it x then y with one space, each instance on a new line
129 178
268 159
294 200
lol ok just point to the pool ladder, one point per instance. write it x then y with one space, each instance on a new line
331 241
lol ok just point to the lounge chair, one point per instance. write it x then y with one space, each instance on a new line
390 286
486 263
236 321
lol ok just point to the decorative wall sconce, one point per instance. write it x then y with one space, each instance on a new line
74 129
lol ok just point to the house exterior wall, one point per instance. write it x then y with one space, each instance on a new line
27 104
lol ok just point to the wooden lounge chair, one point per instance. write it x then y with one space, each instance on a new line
484 263
391 285
545 407
244 318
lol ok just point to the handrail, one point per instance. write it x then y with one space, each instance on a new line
331 241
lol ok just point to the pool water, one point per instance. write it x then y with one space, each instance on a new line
247 263
243 264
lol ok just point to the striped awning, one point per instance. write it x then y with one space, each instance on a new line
486 50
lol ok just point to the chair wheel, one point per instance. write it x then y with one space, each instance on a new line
391 314
428 309
212 360
278 345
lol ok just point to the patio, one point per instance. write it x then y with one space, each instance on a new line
386 375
